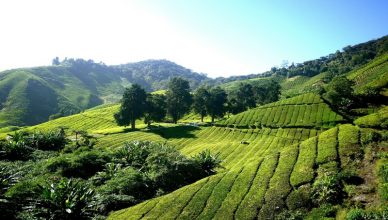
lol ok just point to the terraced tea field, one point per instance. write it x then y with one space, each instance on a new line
307 110
267 172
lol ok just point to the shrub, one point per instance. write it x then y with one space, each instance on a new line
110 171
84 165
111 202
322 212
135 153
360 214
7 179
328 189
207 161
383 172
51 140
369 137
65 199
356 214
127 181
15 150
290 215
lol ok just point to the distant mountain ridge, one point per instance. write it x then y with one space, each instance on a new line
32 95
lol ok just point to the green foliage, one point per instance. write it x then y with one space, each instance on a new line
155 108
207 161
323 211
215 105
127 181
79 164
178 98
133 106
7 179
135 153
51 140
65 199
360 214
340 93
375 120
200 99
328 188
300 198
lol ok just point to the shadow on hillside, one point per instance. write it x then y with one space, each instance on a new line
174 132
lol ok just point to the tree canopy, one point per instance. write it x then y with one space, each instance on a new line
133 106
178 98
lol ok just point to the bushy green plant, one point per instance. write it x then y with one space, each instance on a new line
7 179
360 214
207 161
65 199
110 170
328 188
135 153
127 181
15 150
290 215
51 140
84 164
383 172
369 137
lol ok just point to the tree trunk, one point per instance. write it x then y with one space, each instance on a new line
201 118
133 124
212 118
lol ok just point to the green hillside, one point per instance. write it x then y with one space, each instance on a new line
273 172
31 95
307 110
296 158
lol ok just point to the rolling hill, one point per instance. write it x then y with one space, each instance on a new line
31 95
270 164
297 158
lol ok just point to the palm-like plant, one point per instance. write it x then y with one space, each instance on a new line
67 199
207 161
110 171
7 179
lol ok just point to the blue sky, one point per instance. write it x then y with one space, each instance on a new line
220 38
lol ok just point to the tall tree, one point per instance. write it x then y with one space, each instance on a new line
55 61
133 105
246 96
216 104
200 100
178 98
267 92
155 108
340 93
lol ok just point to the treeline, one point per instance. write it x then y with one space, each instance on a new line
335 64
178 101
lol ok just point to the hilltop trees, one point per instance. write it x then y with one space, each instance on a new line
340 93
216 104
200 99
133 106
246 96
267 93
155 108
178 98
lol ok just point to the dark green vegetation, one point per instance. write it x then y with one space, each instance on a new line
46 175
320 152
33 95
